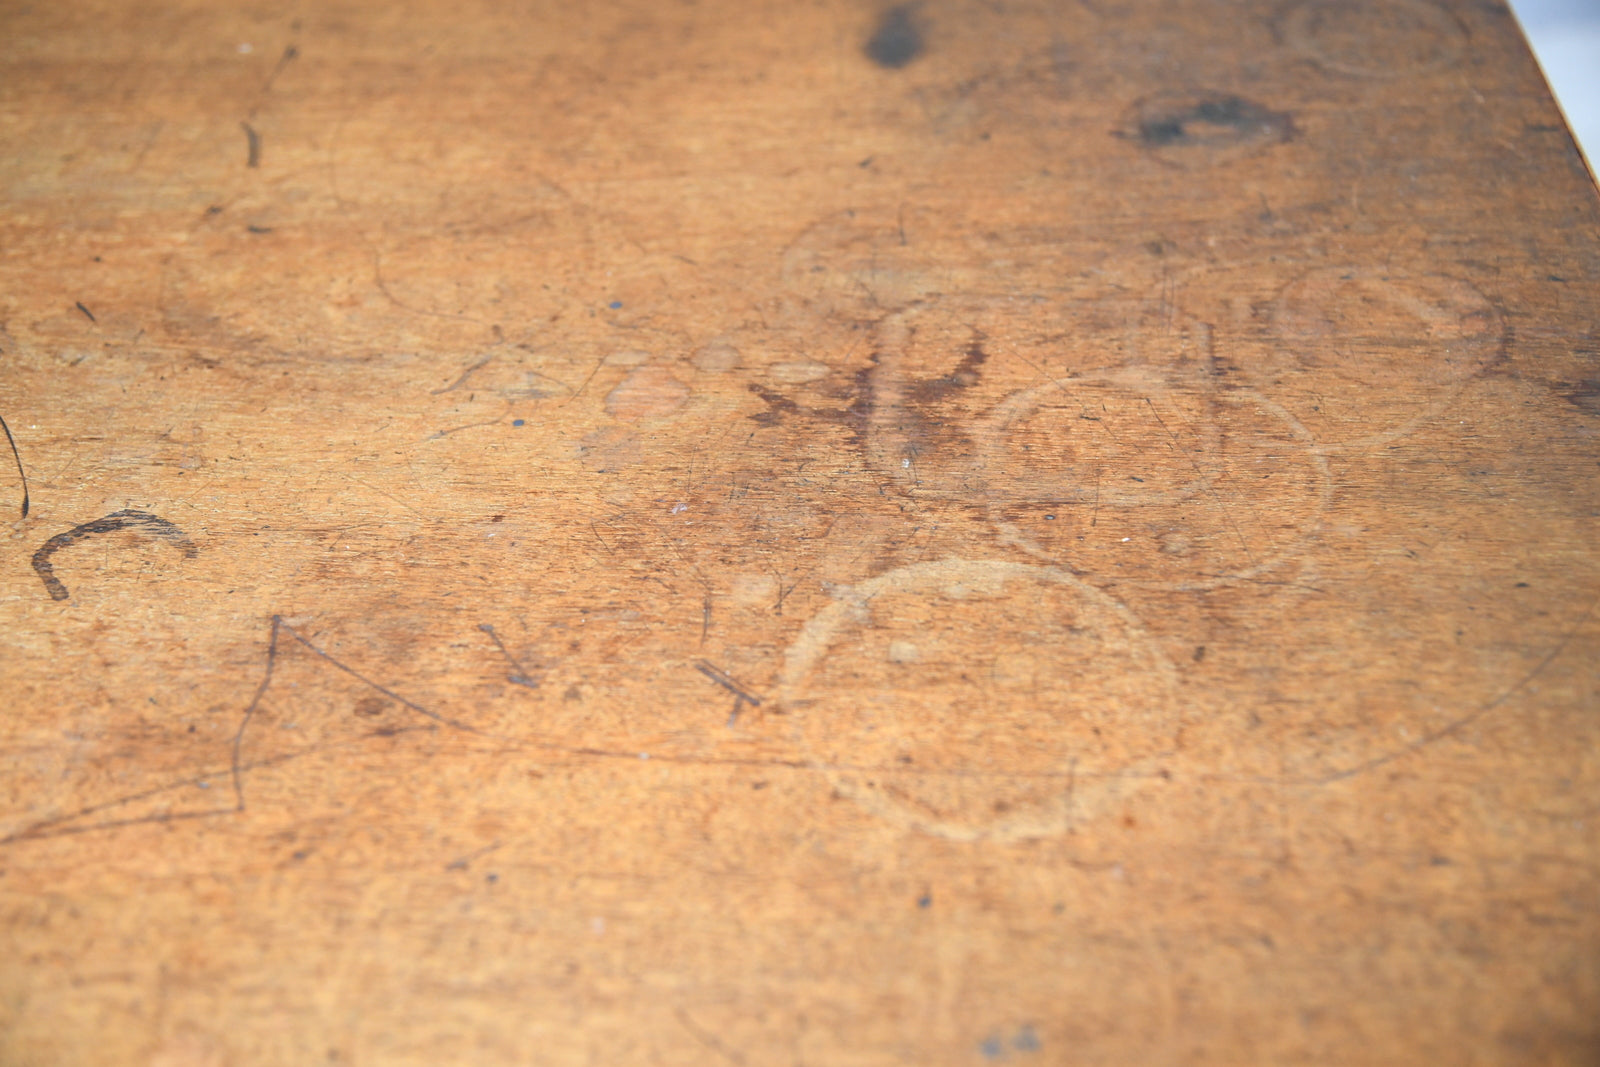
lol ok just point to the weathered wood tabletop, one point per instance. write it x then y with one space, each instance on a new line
774 533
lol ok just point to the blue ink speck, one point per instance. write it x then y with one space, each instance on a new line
616 305
1026 1040
518 422
925 901
992 1048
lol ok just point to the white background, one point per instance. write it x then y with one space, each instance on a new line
1565 35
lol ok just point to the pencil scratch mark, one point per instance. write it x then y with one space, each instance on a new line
117 521
290 53
18 457
253 143
462 379
87 313
1455 727
708 1039
1084 410
280 627
522 676
467 426
1206 482
741 695
465 861
52 827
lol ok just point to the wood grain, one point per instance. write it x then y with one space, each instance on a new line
814 533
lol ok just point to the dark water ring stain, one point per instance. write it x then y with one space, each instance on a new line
120 520
1214 120
897 40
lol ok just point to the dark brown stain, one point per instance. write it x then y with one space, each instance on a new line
1583 395
853 416
966 374
897 40
1216 121
778 405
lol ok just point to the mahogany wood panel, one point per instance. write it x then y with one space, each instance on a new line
807 533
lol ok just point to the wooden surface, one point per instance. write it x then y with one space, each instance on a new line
796 533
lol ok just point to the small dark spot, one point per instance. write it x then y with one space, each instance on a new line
1050 517
1218 122
300 855
498 518
386 731
1440 861
370 707
1199 653
491 878
925 900
615 305
1521 585
572 693
992 1048
1026 1040
86 312
865 163
259 229
758 785
214 209
897 40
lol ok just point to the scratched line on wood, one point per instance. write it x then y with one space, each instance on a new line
1070 778
58 826
280 627
16 455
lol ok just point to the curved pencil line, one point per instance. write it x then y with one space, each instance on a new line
119 520
1459 724
18 457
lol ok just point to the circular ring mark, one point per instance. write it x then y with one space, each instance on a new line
1375 38
1364 348
980 699
1170 489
